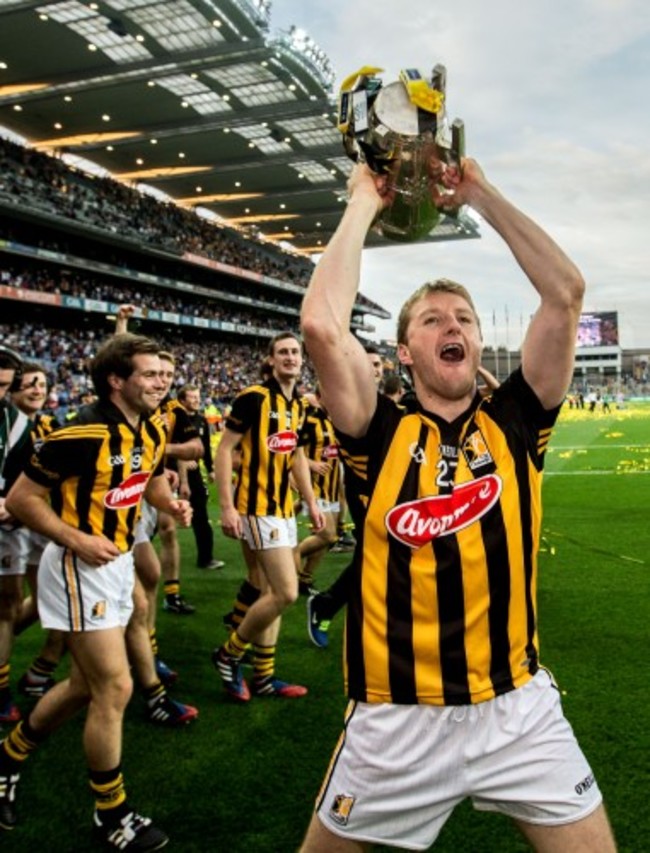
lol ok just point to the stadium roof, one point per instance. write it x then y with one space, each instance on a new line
195 99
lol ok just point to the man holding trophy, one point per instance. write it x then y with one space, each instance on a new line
448 699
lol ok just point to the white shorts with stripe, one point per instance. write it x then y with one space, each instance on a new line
399 770
264 532
20 548
73 596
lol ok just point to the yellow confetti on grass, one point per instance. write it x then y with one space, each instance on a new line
616 416
629 466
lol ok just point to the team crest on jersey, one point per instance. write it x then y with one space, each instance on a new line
416 523
128 493
99 610
282 442
341 808
475 450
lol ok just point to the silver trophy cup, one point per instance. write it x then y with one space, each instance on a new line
402 130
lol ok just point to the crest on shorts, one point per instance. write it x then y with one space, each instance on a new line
341 808
99 610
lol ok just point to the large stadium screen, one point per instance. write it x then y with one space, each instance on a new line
598 329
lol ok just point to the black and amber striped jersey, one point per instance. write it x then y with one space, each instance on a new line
97 469
442 605
271 429
356 469
321 445
177 424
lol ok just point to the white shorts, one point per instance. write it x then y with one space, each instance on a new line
324 506
146 524
264 532
399 770
20 548
73 596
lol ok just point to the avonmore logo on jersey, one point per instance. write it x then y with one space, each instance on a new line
331 451
282 442
128 493
417 523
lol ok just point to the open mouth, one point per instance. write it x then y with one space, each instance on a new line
452 352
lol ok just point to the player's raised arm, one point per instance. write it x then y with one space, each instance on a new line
549 348
124 313
345 378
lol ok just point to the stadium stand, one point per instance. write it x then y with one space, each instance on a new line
82 245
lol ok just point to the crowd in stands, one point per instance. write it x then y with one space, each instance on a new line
86 285
87 255
48 184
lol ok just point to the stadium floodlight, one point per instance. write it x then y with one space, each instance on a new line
301 46
257 11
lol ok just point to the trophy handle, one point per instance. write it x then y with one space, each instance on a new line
439 78
457 142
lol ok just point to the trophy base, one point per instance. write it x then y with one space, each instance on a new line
407 220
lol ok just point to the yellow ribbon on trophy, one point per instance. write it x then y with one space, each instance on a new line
352 83
421 93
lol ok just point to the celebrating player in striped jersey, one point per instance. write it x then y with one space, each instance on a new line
82 490
266 423
448 696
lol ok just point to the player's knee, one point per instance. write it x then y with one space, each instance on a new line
123 690
287 596
168 538
166 528
114 692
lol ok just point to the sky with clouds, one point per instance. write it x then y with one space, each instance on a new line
554 99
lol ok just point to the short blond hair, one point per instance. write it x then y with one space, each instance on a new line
440 285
